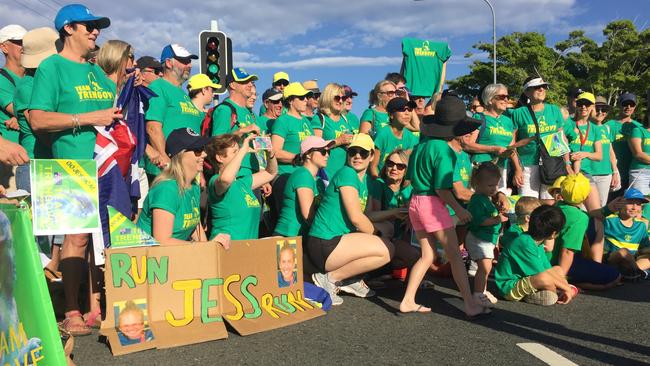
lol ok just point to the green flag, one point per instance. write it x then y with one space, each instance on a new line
28 329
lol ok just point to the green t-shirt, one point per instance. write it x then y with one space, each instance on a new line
354 122
583 138
604 166
35 147
332 130
185 207
523 257
293 130
237 211
550 120
462 173
640 132
331 218
377 120
619 135
291 222
389 199
495 132
65 86
619 236
263 123
431 167
222 118
174 109
510 234
571 235
7 91
482 208
386 142
423 62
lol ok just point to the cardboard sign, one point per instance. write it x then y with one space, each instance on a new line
28 331
65 196
168 296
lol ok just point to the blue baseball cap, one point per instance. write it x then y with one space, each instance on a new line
78 13
635 194
239 75
176 51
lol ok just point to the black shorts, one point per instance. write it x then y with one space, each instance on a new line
320 249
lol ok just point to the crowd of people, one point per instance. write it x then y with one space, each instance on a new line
414 180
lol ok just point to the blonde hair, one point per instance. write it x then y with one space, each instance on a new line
130 307
174 171
112 56
526 205
327 98
373 96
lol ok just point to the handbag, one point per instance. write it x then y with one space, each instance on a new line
552 167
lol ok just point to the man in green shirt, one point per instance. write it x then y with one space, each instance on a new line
240 87
353 119
172 108
620 130
272 100
312 103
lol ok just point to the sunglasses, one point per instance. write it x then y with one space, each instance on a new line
322 150
339 98
302 97
501 97
390 92
353 151
17 42
197 152
538 87
315 96
90 26
629 105
399 166
274 101
581 104
601 110
403 109
281 82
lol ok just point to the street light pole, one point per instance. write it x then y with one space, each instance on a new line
494 41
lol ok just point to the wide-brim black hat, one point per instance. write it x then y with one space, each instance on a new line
449 120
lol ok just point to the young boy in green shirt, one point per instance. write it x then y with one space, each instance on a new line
524 272
523 208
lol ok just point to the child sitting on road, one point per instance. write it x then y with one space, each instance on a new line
567 250
524 272
626 235
484 228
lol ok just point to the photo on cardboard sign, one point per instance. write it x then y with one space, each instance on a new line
287 263
132 322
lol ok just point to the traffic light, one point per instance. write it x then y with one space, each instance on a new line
216 57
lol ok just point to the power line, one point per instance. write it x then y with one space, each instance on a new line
32 10
48 5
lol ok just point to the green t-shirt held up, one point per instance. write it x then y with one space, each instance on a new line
482 208
184 206
65 86
7 92
293 130
550 120
386 142
237 211
521 258
423 63
431 167
291 222
331 218
174 109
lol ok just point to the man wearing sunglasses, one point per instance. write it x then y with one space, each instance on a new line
272 100
620 130
280 81
172 108
312 100
150 69
11 45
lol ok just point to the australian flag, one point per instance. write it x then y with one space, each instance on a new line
118 150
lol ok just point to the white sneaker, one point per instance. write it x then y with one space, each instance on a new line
322 280
358 289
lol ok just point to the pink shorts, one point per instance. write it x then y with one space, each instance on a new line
429 213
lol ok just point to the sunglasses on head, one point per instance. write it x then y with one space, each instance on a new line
339 98
281 82
501 97
353 151
399 166
629 105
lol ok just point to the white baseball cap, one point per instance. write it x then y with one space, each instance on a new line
12 32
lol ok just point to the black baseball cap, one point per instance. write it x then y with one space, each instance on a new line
272 94
399 103
184 139
149 62
349 92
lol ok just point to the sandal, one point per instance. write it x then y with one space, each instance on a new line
74 324
93 319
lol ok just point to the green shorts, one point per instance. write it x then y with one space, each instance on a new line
522 288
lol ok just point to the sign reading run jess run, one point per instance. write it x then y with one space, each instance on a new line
161 297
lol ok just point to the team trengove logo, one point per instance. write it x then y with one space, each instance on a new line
424 51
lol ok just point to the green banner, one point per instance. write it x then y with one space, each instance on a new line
65 197
124 233
28 331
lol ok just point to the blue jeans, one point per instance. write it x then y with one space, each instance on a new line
22 178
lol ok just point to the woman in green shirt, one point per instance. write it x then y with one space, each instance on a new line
233 207
341 243
640 166
395 135
376 117
301 194
334 126
604 172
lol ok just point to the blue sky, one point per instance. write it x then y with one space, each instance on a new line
351 42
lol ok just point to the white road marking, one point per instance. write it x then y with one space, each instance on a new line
545 354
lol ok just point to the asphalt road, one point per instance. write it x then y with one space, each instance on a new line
611 327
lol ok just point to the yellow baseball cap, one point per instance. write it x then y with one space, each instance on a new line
586 96
556 185
280 76
575 189
200 81
363 141
294 90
